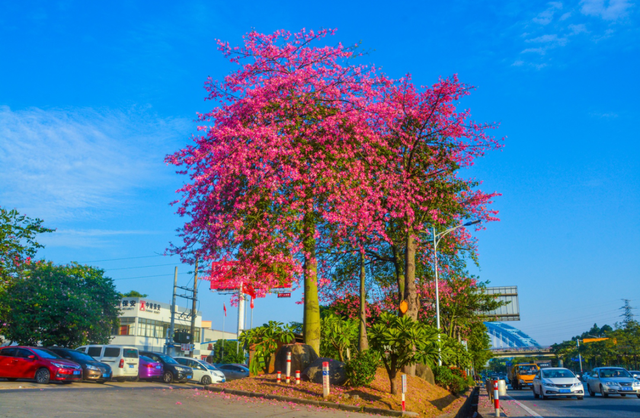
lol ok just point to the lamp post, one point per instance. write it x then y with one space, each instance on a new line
436 240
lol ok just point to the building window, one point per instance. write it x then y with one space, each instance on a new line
127 327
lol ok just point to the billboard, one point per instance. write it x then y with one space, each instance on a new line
508 312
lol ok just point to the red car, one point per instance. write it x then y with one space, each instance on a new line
37 363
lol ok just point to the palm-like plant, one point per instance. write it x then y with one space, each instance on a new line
402 341
264 341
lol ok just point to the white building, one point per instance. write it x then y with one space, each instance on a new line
145 323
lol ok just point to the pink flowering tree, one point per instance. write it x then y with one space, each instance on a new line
265 173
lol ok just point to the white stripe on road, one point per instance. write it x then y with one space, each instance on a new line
526 408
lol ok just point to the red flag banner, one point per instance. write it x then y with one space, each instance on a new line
225 309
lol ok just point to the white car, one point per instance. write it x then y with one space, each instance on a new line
203 372
557 381
124 360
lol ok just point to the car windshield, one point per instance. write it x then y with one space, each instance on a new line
147 359
80 356
167 359
208 366
614 373
550 374
44 353
527 370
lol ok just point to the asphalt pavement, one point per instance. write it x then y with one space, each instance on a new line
521 403
132 400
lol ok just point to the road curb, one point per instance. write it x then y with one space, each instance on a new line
331 405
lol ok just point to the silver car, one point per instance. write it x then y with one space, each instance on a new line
612 381
557 382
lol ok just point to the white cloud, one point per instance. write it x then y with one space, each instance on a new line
576 29
540 51
89 238
545 17
549 39
608 10
69 164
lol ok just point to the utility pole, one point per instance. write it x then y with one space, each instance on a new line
193 309
173 314
628 314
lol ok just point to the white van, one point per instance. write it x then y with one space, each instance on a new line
124 360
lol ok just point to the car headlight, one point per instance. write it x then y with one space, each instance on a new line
577 385
636 383
60 365
548 383
94 368
611 384
521 381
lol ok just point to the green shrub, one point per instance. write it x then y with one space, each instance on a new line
454 380
361 370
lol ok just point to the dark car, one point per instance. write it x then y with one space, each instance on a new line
37 363
172 370
233 371
92 369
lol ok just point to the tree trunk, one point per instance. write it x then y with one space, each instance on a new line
392 382
363 342
311 325
410 290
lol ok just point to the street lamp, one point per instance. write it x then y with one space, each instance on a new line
436 240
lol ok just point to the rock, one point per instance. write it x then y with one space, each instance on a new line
336 371
356 397
302 355
347 396
425 373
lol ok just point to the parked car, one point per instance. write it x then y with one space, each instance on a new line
37 363
233 371
203 372
612 381
92 369
122 359
635 374
150 369
172 370
557 382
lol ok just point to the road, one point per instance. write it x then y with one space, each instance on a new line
157 400
598 407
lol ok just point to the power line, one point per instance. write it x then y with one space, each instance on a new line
142 267
127 258
144 277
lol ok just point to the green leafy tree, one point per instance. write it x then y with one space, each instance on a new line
264 341
66 305
225 352
18 242
339 337
401 341
134 294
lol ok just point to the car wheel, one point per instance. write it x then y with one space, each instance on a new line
133 379
591 393
67 383
102 382
638 395
12 379
623 394
535 394
542 393
167 377
43 376
206 380
603 393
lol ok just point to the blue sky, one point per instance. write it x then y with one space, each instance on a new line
93 97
